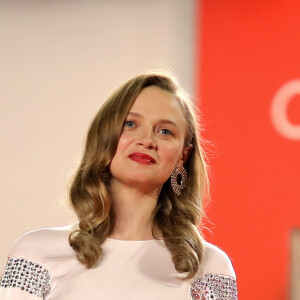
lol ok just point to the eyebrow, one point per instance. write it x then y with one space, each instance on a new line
164 121
131 113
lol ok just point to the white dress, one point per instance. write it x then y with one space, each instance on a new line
42 265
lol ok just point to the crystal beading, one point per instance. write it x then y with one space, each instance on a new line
26 275
214 287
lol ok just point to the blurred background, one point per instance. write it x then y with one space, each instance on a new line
59 60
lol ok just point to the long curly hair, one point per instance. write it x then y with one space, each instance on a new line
177 217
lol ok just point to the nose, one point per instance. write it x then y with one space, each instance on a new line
147 140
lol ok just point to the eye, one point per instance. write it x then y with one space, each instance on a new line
129 124
165 131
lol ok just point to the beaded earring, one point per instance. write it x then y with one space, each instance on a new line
178 178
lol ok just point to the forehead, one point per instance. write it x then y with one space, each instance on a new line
154 102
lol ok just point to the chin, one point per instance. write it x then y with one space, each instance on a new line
143 179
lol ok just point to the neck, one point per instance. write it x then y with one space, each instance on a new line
133 212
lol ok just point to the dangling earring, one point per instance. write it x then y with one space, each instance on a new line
178 178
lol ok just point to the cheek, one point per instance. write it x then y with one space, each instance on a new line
170 153
123 144
169 156
121 153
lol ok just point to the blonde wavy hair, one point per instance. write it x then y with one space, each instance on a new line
178 217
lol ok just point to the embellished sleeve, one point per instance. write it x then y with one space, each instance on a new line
24 279
214 287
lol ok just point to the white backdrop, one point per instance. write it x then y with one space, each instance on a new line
58 61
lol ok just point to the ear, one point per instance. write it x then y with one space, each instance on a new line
186 153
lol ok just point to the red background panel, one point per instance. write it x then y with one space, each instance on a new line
247 50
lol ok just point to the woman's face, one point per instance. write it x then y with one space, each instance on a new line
152 140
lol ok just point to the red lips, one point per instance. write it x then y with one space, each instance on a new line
142 158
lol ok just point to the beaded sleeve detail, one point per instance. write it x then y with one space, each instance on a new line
214 287
26 275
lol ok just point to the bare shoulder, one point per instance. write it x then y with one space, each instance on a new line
216 261
43 243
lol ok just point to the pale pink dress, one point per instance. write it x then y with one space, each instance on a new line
42 265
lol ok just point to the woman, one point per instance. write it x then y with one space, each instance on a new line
137 194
